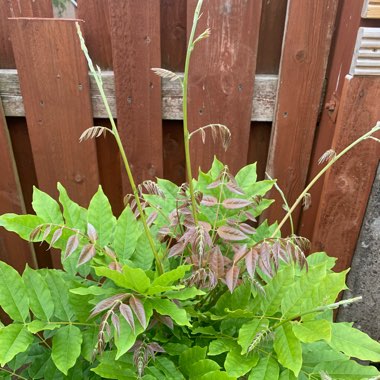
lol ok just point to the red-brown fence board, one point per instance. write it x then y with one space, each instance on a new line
221 78
13 250
135 35
96 30
55 88
306 46
348 183
347 27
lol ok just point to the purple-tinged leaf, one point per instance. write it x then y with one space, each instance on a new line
231 234
56 236
72 245
87 253
209 201
156 347
138 308
110 253
240 251
251 262
215 184
46 232
250 216
234 188
246 228
35 232
106 304
188 221
116 323
236 203
232 276
151 218
167 321
126 312
206 226
91 233
177 249
216 262
115 266
265 260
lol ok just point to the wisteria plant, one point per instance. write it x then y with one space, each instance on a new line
184 284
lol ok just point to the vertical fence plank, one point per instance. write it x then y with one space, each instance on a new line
305 53
55 88
348 183
221 79
96 30
135 35
18 8
13 250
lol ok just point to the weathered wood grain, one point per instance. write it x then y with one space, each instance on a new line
135 35
96 31
55 89
263 103
221 79
306 46
18 8
348 23
13 250
348 184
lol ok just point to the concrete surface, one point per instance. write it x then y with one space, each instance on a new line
364 277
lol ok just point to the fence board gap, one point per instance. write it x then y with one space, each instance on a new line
13 250
221 79
306 46
135 35
348 183
55 88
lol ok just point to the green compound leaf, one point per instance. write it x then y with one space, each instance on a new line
14 339
249 331
354 343
109 368
167 307
101 217
288 348
66 347
246 177
217 375
190 356
13 296
46 207
238 365
22 225
40 298
37 326
347 370
127 337
266 369
127 233
168 368
202 367
169 278
312 331
287 375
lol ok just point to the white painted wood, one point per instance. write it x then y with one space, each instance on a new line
371 9
366 59
263 101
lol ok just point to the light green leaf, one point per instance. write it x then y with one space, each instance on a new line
217 375
233 301
247 176
190 356
266 369
46 207
166 307
40 299
66 347
218 346
216 168
109 368
127 337
184 294
143 255
288 348
312 331
167 367
13 297
22 225
238 365
169 278
117 277
59 289
14 339
249 331
136 279
354 343
37 326
275 290
347 370
90 340
127 233
287 375
321 257
101 217
93 290
75 216
160 289
201 367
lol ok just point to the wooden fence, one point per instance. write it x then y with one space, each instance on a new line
262 73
